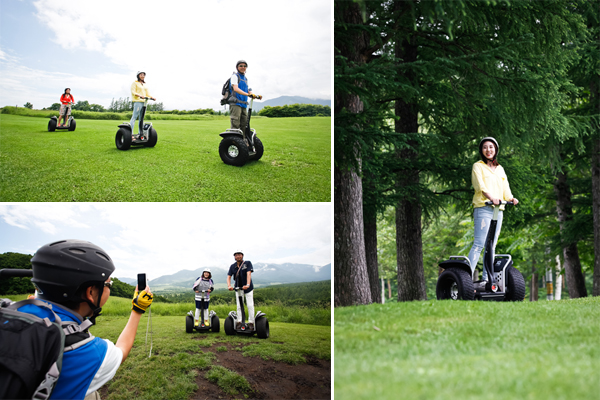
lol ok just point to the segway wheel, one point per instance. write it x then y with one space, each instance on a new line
123 139
152 138
455 284
262 328
72 125
214 324
229 325
52 125
515 285
233 151
189 324
258 146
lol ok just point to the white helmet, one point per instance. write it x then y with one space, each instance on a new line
238 252
207 270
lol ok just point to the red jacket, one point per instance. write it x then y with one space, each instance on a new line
66 100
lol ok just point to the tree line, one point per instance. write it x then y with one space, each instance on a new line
308 294
417 85
296 110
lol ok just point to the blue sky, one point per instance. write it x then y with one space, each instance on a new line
188 49
163 238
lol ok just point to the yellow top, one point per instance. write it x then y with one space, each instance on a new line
495 183
138 87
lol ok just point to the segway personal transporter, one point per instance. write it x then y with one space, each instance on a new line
147 136
213 320
505 282
70 124
240 146
261 323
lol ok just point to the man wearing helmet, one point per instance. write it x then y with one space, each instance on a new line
241 271
491 184
74 277
139 90
239 86
203 282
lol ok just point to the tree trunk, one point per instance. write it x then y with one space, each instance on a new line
370 224
596 214
571 263
409 246
533 293
351 282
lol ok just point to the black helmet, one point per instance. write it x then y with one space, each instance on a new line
61 269
488 139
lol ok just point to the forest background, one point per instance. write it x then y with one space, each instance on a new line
417 85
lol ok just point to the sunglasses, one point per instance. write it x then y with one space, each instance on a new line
243 66
108 284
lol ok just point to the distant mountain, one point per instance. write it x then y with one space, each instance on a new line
288 100
263 275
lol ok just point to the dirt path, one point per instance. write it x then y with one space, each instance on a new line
270 379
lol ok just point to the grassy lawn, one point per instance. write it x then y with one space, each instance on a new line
468 350
177 357
85 165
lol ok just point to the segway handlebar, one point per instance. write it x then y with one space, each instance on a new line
502 202
15 272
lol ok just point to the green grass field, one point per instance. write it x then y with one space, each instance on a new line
85 165
468 350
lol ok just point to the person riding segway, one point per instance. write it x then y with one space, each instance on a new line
240 143
203 319
67 101
146 136
235 322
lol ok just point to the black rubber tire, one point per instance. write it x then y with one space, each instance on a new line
229 326
72 125
242 151
458 279
123 139
262 328
152 138
52 125
515 285
260 149
214 324
189 324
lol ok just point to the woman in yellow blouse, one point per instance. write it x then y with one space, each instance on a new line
491 184
139 91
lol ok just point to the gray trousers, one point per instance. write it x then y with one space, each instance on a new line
239 117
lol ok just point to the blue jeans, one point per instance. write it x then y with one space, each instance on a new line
137 108
482 217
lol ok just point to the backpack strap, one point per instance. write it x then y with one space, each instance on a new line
35 302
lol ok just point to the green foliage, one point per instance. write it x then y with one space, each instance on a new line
28 105
308 294
434 348
184 166
15 285
296 110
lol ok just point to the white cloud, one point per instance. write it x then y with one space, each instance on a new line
189 48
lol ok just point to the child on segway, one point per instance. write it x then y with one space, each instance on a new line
206 284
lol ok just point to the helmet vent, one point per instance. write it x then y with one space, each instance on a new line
77 251
104 256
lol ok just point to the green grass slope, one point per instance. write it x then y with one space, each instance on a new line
468 350
85 165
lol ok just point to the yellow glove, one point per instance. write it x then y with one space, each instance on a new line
141 302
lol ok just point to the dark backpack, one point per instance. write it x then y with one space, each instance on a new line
228 94
31 349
